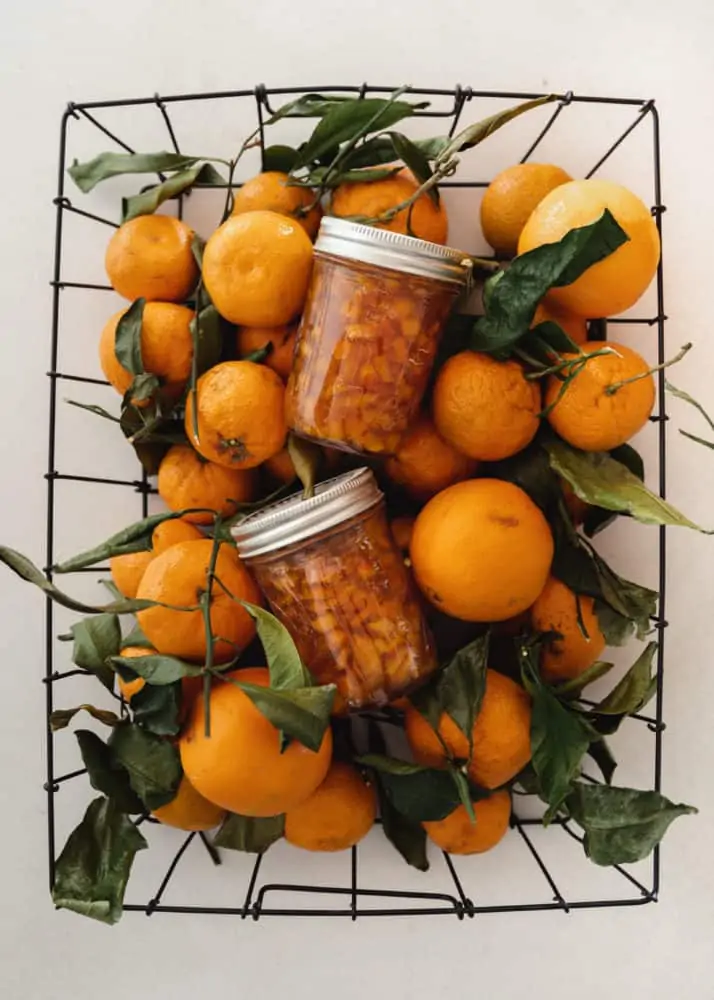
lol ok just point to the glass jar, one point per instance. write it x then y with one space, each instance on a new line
334 577
374 314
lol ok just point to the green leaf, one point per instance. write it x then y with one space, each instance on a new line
371 153
559 739
254 834
697 439
308 106
418 793
599 479
61 717
406 835
105 775
154 668
529 469
616 628
143 387
324 178
547 337
514 298
685 397
153 764
458 689
306 457
287 671
472 135
96 639
27 571
351 119
207 337
136 637
87 175
596 518
633 601
280 158
622 825
635 689
157 709
303 714
98 411
135 537
146 202
434 147
416 160
127 342
602 755
575 685
464 791
94 867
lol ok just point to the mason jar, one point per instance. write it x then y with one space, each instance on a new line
332 574
375 311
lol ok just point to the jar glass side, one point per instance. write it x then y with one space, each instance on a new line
366 346
352 608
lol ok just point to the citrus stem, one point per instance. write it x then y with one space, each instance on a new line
612 389
205 604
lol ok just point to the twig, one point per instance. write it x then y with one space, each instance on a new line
615 386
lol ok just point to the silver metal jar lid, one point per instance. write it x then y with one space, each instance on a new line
384 248
294 519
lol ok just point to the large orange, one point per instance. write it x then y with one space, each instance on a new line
425 463
457 834
373 198
567 652
617 282
594 413
511 197
128 570
485 408
150 257
272 192
338 814
240 766
187 480
481 550
166 346
189 810
172 532
501 735
281 339
256 268
179 577
241 414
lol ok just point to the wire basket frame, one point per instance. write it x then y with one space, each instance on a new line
256 897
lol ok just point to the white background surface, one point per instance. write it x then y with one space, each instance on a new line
51 52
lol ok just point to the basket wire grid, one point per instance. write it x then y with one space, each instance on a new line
390 902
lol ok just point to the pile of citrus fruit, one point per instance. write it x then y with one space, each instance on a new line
517 445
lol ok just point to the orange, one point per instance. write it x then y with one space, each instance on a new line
282 338
402 529
186 480
128 570
481 550
256 268
425 464
576 327
166 347
189 810
241 415
589 415
501 735
617 282
150 257
271 191
338 814
172 532
178 577
486 409
281 466
129 688
373 198
569 653
240 766
511 197
456 834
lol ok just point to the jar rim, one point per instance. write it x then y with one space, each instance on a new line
295 519
384 248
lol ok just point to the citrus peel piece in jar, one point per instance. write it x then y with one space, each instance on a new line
374 315
333 575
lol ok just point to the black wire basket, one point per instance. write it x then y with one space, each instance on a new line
350 884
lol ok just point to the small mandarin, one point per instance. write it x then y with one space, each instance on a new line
271 191
281 340
402 529
373 198
281 466
338 814
576 327
186 481
128 570
595 412
240 765
425 464
511 197
484 408
166 347
456 834
566 653
150 257
189 810
172 532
